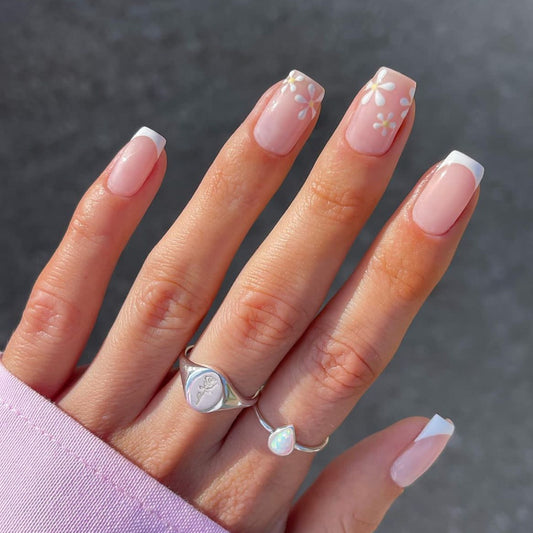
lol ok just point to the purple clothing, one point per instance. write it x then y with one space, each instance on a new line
56 476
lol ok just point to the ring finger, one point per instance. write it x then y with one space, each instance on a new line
354 337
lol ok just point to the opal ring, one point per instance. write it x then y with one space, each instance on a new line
207 389
282 440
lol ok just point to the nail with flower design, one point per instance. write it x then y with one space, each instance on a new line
290 81
311 102
294 105
375 87
382 106
384 124
406 102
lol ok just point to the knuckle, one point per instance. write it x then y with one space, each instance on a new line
262 319
50 316
336 203
86 226
169 305
338 367
402 276
225 185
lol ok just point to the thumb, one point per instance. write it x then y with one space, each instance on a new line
356 490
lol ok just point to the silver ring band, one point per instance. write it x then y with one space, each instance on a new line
208 390
282 440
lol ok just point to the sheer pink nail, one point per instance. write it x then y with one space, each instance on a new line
136 162
448 192
422 452
289 112
385 102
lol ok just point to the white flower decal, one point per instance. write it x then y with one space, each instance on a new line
406 102
290 81
374 88
309 103
384 123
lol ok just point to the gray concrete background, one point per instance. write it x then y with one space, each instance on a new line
77 78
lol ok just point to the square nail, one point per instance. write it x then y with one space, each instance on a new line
383 106
447 193
136 162
288 114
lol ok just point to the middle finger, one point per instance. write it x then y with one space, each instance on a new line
277 294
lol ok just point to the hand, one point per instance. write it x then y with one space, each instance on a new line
268 330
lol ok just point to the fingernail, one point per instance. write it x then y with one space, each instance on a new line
422 452
136 162
288 113
383 106
448 192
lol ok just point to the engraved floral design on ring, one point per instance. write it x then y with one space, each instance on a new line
205 391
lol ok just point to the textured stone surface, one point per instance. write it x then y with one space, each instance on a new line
79 77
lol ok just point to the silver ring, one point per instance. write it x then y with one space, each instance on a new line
282 440
207 389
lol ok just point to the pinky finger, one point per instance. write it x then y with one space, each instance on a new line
356 490
67 295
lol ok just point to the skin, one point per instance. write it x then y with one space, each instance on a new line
267 329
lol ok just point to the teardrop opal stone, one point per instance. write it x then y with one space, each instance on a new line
282 441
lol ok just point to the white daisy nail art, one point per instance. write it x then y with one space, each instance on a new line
406 102
375 88
310 103
290 81
289 113
384 123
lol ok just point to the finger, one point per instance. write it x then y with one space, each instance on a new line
180 278
78 372
354 337
356 490
252 493
74 377
283 285
66 298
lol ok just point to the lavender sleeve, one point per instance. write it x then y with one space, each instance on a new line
56 476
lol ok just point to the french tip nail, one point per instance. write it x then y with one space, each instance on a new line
423 451
477 169
436 426
137 160
158 139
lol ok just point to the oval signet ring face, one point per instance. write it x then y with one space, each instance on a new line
204 390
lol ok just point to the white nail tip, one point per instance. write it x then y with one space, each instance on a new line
462 159
159 140
436 426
